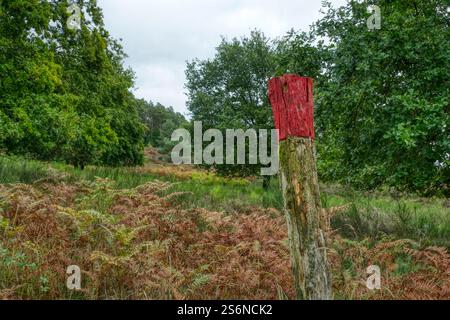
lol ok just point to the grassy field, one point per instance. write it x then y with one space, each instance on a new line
165 232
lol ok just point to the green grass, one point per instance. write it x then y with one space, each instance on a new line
373 215
202 190
425 220
19 170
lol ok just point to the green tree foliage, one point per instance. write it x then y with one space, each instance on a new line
384 109
161 122
230 90
382 96
64 94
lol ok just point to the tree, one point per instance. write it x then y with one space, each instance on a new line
382 98
384 110
161 122
64 93
230 90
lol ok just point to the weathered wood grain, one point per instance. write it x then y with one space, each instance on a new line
293 107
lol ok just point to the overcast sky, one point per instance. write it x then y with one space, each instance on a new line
161 35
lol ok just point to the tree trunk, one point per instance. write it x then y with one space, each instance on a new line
266 183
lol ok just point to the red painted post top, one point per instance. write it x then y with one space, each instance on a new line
292 102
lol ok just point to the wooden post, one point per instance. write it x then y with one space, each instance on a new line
292 100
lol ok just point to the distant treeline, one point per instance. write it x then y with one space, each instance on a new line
160 122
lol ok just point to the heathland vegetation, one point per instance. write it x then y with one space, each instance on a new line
168 232
85 178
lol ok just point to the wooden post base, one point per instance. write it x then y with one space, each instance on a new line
306 221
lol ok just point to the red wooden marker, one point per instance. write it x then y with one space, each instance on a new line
292 102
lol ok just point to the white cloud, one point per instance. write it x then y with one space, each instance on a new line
161 35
